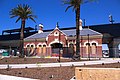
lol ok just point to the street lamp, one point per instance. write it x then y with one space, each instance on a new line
35 46
88 47
59 46
59 42
81 47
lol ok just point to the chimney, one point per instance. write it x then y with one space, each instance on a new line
40 28
80 24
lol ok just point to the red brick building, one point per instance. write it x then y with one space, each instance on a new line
63 41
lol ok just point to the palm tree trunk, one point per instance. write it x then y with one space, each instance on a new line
77 31
22 38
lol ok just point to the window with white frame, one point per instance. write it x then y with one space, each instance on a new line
56 33
39 45
88 50
28 46
32 45
93 48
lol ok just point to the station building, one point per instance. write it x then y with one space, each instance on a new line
62 42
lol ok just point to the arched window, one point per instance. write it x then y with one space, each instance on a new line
32 45
27 45
88 48
39 45
44 45
44 48
56 33
93 48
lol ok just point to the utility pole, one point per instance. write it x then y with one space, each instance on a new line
59 41
88 47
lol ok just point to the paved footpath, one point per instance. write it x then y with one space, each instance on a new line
7 77
106 61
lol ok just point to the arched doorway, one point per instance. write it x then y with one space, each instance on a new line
56 47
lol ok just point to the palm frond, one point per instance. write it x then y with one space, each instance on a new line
87 1
65 1
72 3
22 12
68 8
12 16
32 19
17 20
34 16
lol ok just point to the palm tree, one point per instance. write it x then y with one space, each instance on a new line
22 12
76 7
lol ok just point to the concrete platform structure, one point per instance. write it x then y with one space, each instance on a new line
97 73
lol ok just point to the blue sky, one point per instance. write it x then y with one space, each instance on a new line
49 12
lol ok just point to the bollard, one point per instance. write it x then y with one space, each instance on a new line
8 67
84 64
38 64
103 63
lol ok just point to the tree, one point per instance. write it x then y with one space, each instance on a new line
76 7
23 13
